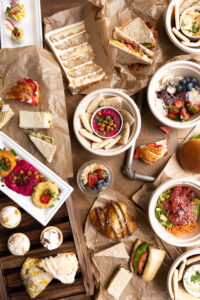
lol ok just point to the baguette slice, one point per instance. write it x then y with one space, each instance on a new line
155 260
119 282
117 251
29 119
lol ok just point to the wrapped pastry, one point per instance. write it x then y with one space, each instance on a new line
152 152
34 277
113 221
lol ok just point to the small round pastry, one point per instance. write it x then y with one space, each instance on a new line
10 217
51 238
18 244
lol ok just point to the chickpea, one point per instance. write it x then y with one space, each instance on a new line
106 122
99 123
101 129
36 177
21 172
108 127
104 132
41 176
25 177
2 179
29 173
15 177
35 172
99 113
111 128
13 181
103 125
114 125
107 117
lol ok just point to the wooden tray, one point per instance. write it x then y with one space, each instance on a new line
68 220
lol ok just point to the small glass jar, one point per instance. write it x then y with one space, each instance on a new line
101 180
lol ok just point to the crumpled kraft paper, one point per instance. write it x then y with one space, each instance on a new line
98 37
104 267
39 65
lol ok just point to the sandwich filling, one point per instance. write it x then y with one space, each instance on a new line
141 257
127 45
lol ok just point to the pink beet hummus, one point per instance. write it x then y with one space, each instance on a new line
107 122
23 178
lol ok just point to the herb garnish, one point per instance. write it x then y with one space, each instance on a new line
196 277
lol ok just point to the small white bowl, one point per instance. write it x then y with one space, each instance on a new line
191 37
168 27
128 104
175 264
105 107
183 241
176 68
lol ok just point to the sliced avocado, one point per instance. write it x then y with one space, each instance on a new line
140 250
45 138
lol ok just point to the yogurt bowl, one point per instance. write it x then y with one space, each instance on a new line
177 70
169 229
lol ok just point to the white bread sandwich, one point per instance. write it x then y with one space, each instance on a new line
6 113
146 259
117 250
32 120
138 31
119 281
45 144
75 54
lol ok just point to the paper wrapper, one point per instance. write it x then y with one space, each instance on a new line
119 12
98 38
104 267
39 65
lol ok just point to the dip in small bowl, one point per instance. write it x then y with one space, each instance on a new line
191 280
106 122
190 22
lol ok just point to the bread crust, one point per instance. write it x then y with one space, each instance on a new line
189 156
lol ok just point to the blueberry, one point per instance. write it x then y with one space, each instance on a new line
194 80
187 79
184 88
183 81
98 186
104 183
106 179
179 88
195 87
189 86
94 188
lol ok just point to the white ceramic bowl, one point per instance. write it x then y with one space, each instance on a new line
128 104
175 264
186 33
168 27
182 241
176 68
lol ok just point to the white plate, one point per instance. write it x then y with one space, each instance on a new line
41 215
31 24
127 103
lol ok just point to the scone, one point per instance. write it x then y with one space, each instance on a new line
10 217
18 244
34 278
62 267
51 237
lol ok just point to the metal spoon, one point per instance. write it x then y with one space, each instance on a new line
127 169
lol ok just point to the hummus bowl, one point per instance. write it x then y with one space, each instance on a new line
185 239
182 259
127 108
170 23
177 69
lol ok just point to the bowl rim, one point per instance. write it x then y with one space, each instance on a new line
170 34
182 15
112 92
158 116
106 107
175 265
178 242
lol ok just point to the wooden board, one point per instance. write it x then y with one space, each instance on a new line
11 286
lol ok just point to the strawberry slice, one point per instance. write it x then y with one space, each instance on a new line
32 84
137 153
100 173
172 116
193 108
183 114
92 179
165 129
173 110
179 104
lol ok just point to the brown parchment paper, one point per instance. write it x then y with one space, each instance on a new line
39 65
104 267
97 32
118 12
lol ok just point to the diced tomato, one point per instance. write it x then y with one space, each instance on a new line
165 129
137 153
129 46
92 180
142 261
179 104
45 198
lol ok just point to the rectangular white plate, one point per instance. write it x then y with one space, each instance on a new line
41 215
31 24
